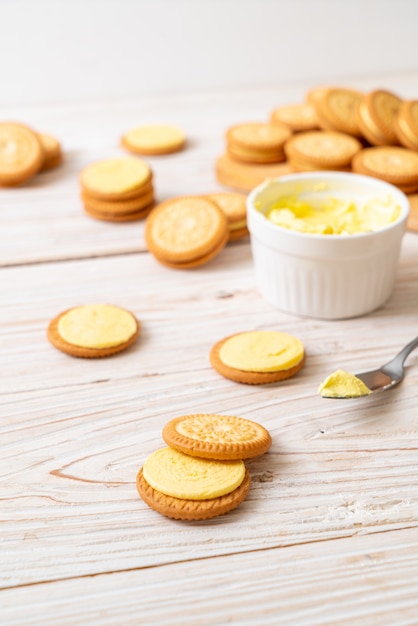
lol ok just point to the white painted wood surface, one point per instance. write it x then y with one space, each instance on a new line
329 533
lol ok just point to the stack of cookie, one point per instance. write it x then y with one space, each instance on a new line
24 153
117 190
201 474
321 150
257 142
298 117
186 232
235 208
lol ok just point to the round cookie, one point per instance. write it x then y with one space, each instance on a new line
376 114
406 124
93 331
115 179
257 142
221 437
234 205
325 149
52 152
250 357
177 508
129 210
186 231
298 117
393 164
245 176
154 139
336 110
21 153
252 155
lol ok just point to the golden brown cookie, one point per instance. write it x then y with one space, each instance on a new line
393 164
323 149
21 153
93 331
221 437
116 179
298 117
154 139
413 212
406 124
245 176
376 114
257 142
186 232
177 508
235 208
241 372
336 110
52 151
120 210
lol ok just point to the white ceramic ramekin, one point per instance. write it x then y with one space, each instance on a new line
324 276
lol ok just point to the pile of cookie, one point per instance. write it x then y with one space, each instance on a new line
25 152
201 474
373 133
117 190
188 231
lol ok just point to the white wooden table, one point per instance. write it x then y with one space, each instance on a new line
329 532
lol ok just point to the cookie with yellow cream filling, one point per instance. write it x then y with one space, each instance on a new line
235 208
189 509
116 179
221 437
154 139
93 331
258 357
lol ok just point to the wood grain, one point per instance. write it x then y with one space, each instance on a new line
328 532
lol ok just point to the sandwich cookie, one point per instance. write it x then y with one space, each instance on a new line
321 150
154 139
395 165
186 232
183 487
257 142
406 124
298 117
21 153
376 116
117 190
336 109
52 152
235 208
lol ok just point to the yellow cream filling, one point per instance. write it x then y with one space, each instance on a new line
191 478
155 136
261 351
334 216
116 175
97 326
342 384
